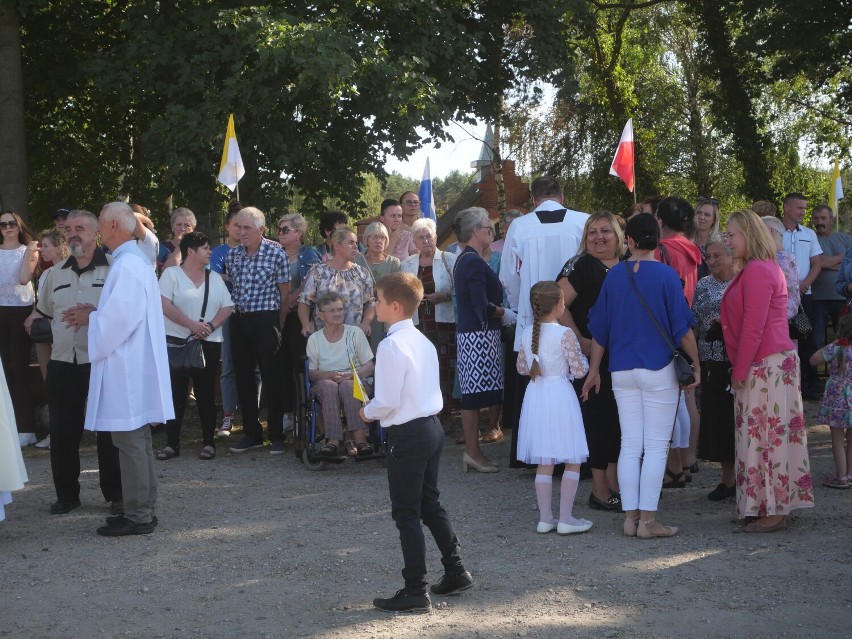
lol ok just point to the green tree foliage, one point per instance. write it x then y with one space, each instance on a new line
133 97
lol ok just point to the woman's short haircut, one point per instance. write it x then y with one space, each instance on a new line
764 207
403 288
376 228
616 228
329 219
341 233
58 240
183 212
386 204
468 220
774 224
716 238
296 222
328 298
759 243
676 214
254 214
192 240
424 223
644 230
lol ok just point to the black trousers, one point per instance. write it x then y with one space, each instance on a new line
293 345
204 384
67 390
807 347
255 340
414 454
15 351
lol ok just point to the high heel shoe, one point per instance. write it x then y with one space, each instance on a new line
644 532
470 462
630 526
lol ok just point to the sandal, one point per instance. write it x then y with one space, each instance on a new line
167 453
208 452
350 447
329 450
678 480
837 482
460 439
364 449
687 474
492 436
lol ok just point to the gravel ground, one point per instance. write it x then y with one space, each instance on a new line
258 546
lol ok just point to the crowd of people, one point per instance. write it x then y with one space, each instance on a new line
569 331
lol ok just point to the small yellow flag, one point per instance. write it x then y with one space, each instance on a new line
231 167
357 385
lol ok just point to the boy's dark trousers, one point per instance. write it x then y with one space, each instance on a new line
414 453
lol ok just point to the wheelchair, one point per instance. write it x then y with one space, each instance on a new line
308 435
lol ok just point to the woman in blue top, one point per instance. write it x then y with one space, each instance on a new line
480 297
642 367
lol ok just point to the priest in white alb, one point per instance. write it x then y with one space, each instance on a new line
129 388
536 247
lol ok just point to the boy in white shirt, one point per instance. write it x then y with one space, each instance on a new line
407 401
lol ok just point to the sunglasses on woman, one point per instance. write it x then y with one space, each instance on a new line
9 225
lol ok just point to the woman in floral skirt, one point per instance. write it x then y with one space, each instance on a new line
772 468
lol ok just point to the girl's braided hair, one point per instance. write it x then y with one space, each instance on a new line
544 297
844 332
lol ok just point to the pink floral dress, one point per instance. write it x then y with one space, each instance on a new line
773 471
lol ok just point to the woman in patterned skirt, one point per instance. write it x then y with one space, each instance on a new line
480 296
772 466
435 317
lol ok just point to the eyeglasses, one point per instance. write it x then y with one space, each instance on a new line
487 228
411 202
708 200
333 310
9 225
283 230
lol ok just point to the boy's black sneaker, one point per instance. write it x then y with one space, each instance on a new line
453 584
403 601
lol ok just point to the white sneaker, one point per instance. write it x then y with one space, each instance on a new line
225 429
27 439
287 423
44 444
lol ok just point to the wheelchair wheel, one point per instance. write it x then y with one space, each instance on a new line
312 465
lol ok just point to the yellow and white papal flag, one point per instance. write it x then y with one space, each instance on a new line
836 193
231 168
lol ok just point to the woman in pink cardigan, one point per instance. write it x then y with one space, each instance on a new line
773 472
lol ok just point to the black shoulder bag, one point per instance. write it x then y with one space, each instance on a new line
683 362
187 354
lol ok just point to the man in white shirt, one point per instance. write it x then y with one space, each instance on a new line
129 387
803 244
536 248
407 401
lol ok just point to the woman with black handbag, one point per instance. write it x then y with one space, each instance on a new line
192 291
640 314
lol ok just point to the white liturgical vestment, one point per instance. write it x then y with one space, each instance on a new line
129 384
535 251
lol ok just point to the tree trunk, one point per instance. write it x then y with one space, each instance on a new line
734 103
13 141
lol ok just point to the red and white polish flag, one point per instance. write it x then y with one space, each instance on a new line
622 163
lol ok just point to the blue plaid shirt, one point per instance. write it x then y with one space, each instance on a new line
256 278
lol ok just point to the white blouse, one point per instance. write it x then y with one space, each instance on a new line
11 292
179 289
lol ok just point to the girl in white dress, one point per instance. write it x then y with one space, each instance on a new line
13 475
551 427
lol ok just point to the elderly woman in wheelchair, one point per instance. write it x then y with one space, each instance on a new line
332 352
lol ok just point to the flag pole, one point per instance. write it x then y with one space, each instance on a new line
238 182
634 179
